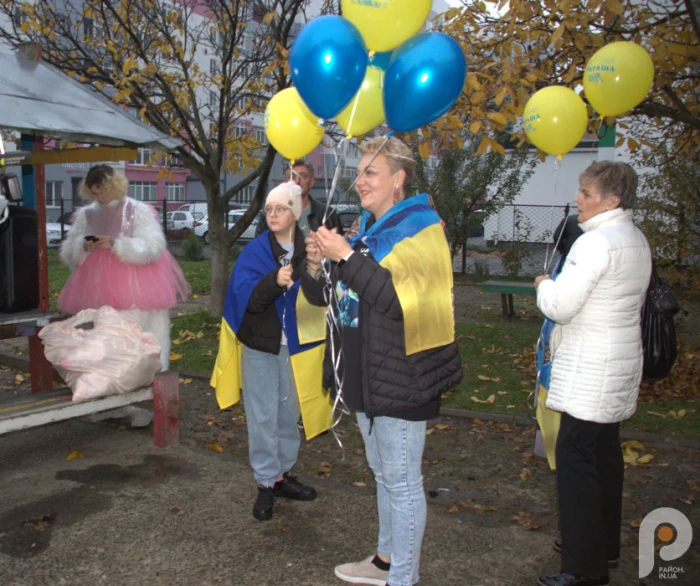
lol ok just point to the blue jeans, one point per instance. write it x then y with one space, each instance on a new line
272 412
394 453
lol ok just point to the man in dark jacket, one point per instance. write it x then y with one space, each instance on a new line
311 211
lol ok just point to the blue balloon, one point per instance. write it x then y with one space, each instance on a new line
381 60
328 62
423 80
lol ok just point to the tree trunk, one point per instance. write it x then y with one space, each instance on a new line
219 242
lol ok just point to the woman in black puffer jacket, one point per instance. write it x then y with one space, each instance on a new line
392 287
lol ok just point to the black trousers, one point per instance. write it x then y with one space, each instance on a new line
590 472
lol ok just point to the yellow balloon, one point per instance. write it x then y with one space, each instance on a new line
366 109
555 119
385 24
290 126
618 77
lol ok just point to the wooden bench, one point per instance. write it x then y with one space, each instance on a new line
48 407
507 289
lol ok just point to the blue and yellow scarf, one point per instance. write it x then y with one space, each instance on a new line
304 326
410 243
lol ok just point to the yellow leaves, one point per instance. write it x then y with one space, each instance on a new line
129 64
442 427
527 521
556 35
473 82
497 117
215 448
425 149
614 6
177 510
525 474
187 336
482 377
483 145
489 401
74 456
500 96
360 484
630 453
175 357
474 127
19 379
324 468
25 27
267 19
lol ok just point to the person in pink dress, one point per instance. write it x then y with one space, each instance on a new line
118 254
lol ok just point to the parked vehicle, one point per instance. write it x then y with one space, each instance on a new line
66 218
233 216
53 233
182 220
195 208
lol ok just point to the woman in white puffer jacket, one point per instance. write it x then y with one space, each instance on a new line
596 368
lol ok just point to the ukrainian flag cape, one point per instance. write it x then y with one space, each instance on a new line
304 326
410 243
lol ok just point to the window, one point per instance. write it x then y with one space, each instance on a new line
350 172
213 66
142 190
239 130
143 157
171 161
54 194
213 100
88 29
175 191
319 172
259 134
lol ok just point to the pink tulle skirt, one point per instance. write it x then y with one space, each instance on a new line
104 279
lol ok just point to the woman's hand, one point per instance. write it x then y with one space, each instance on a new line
331 244
541 278
313 253
284 277
101 242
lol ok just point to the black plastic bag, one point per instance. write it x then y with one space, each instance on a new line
658 329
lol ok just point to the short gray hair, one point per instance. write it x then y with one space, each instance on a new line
613 178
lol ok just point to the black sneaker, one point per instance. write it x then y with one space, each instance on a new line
612 563
290 488
262 509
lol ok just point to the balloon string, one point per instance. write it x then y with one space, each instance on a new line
547 260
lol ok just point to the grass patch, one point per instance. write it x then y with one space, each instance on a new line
498 369
195 342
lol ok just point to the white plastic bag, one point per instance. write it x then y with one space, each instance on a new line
114 357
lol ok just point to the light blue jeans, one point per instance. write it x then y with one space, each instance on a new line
272 412
394 453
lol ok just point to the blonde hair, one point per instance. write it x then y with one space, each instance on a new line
113 184
398 156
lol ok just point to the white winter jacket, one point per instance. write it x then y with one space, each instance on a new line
596 303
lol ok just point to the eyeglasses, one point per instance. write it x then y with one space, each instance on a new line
276 211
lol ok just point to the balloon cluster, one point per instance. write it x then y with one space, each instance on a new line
369 66
616 79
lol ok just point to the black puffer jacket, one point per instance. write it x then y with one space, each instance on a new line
391 381
261 328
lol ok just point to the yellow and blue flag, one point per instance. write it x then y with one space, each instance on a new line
304 326
409 241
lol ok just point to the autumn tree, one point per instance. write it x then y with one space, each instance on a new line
463 182
537 44
191 70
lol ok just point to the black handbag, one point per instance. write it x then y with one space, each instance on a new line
658 329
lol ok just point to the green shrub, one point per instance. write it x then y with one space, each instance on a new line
192 247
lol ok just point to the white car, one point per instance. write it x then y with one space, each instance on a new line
53 233
181 220
233 216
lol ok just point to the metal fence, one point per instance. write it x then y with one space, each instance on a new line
513 241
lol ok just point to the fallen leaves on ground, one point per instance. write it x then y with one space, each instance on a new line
527 521
491 399
630 453
472 506
682 383
442 427
525 474
186 336
324 468
74 455
177 510
215 448
359 484
174 356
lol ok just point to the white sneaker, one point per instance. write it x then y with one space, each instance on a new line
364 572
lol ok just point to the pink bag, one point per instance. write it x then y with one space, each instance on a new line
114 357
